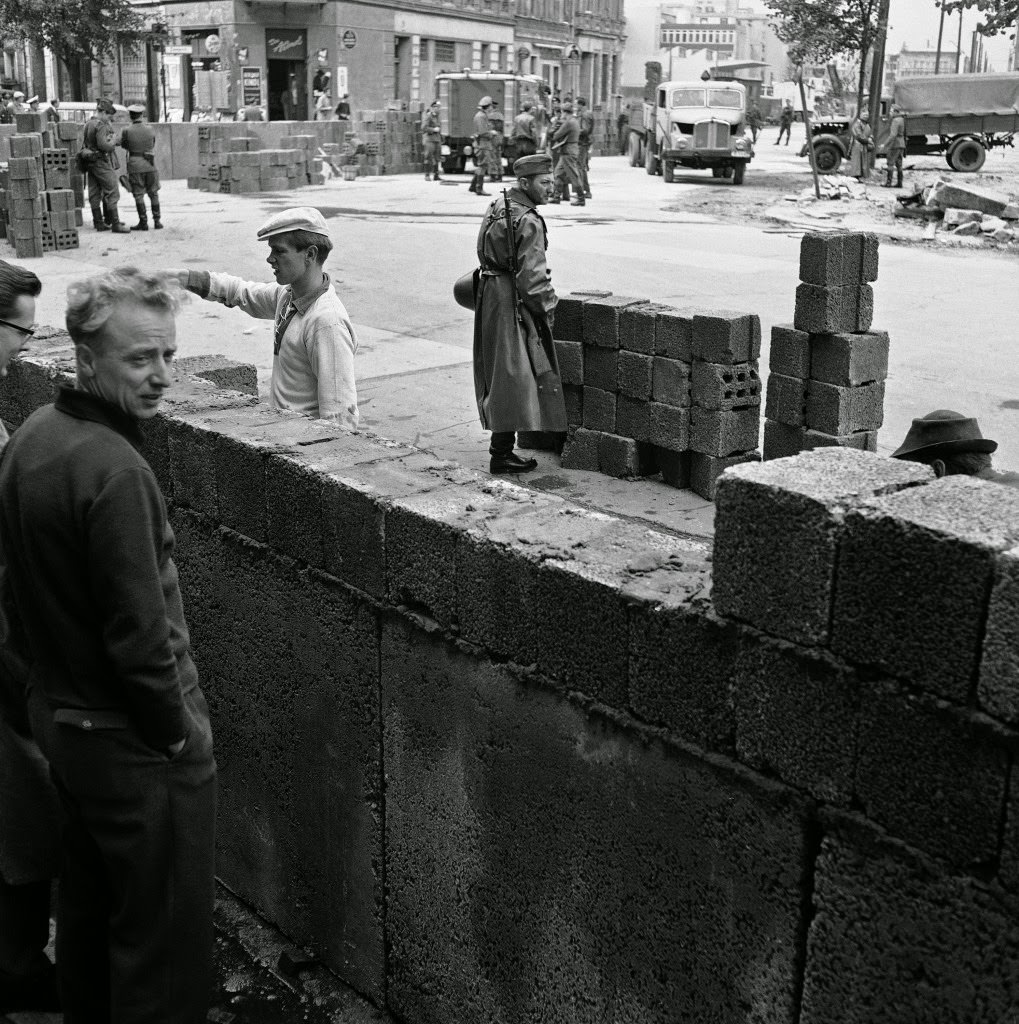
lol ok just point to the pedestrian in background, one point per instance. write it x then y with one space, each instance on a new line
896 147
524 134
785 124
755 119
29 807
516 372
482 138
343 108
139 140
95 608
431 140
53 111
103 182
585 119
313 353
323 106
566 140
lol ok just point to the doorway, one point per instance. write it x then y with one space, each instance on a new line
288 90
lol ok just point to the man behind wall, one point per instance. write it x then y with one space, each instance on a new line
114 698
313 354
29 843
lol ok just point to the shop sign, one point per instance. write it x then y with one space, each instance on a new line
251 86
242 55
213 44
349 39
323 56
177 51
286 43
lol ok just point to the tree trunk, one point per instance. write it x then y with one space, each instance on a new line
810 142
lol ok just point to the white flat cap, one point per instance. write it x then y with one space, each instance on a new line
298 218
33 99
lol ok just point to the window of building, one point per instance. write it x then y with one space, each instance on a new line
445 51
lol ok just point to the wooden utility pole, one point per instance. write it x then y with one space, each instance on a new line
877 74
810 141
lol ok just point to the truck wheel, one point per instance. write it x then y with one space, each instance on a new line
827 158
737 173
633 150
967 155
650 160
716 172
668 171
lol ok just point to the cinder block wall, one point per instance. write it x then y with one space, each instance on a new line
497 757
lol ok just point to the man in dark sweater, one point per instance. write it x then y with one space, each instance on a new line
93 603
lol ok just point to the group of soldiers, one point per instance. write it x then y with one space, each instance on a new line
99 159
566 138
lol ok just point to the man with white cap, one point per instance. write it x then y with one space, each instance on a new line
18 104
313 356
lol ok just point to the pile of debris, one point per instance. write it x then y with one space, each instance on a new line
966 210
833 187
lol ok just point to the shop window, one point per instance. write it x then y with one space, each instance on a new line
445 51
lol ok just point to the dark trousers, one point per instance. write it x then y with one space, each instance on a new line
894 162
583 164
785 130
433 156
103 187
24 929
502 442
134 914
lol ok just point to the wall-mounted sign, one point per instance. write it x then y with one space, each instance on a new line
571 52
342 84
349 39
251 86
323 56
213 44
242 55
178 51
286 43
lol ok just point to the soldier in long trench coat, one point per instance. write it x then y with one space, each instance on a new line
516 372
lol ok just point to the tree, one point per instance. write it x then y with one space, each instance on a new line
998 15
72 29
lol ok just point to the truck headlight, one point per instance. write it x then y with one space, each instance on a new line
740 145
468 150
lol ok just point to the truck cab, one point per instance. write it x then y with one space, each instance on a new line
698 124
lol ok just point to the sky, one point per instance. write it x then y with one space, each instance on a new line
915 22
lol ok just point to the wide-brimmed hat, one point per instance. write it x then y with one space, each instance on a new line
943 432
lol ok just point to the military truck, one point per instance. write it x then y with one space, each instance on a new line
459 93
960 116
699 124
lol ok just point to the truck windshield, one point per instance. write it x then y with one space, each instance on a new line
688 98
725 98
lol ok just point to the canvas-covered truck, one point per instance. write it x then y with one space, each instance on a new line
960 116
699 124
459 93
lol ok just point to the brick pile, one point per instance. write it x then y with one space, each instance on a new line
392 142
826 381
233 161
652 389
42 192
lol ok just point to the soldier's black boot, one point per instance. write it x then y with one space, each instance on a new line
116 226
143 221
97 219
107 215
898 183
156 222
480 185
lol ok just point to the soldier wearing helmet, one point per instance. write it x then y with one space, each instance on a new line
483 155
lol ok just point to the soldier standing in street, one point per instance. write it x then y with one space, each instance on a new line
139 140
431 138
498 126
586 121
524 135
896 148
103 186
566 140
482 147
516 372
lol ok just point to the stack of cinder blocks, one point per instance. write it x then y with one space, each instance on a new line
652 389
826 382
41 190
233 161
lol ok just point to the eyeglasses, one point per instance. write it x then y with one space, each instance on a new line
26 332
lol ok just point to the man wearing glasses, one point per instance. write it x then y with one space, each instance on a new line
28 804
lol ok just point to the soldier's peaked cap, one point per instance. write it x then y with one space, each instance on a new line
136 108
485 101
527 166
298 218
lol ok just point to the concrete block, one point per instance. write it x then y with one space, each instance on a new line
998 689
790 352
674 466
930 774
223 372
786 401
670 382
777 531
682 663
633 418
599 409
634 375
892 608
581 449
848 360
192 467
293 498
623 457
240 486
725 386
573 396
568 323
670 427
725 432
844 410
824 260
945 195
601 368
831 310
156 449
705 470
864 440
601 319
895 937
720 336
629 831
953 218
637 327
869 248
795 715
571 361
674 334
